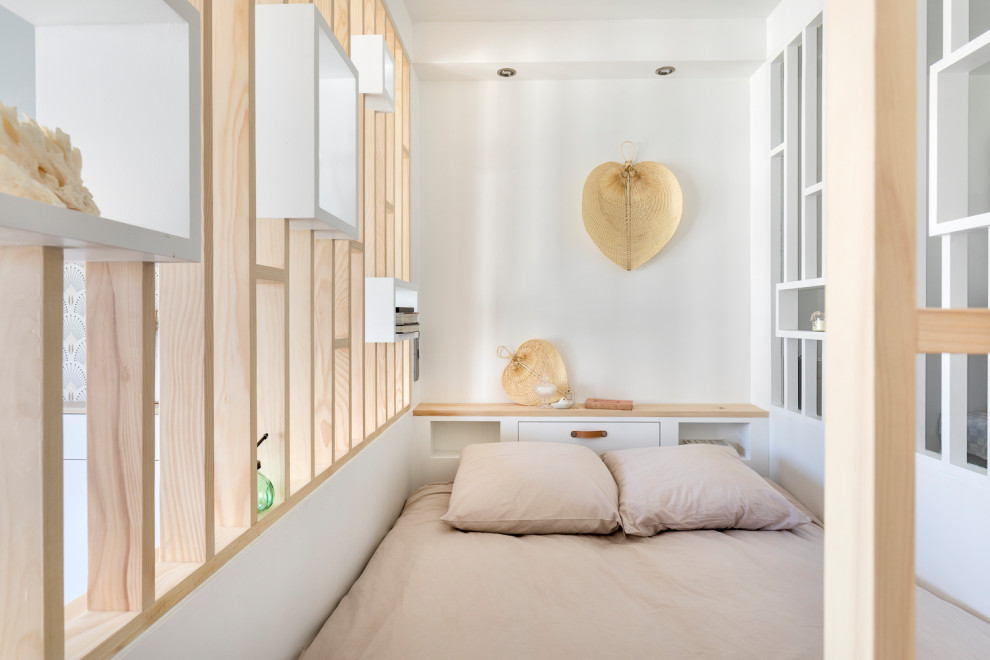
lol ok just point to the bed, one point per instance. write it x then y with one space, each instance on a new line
431 591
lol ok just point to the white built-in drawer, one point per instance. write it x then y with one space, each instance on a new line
618 435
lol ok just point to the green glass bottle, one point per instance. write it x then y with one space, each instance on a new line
266 491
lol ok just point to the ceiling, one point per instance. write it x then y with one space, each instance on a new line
422 11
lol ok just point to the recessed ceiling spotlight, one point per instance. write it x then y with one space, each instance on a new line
665 70
506 72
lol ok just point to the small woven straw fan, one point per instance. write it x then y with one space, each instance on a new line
535 360
631 211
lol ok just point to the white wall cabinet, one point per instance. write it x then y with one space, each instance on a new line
444 429
123 80
306 124
377 67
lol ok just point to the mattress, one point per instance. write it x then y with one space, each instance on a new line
431 591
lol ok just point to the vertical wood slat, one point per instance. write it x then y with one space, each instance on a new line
381 372
869 447
407 358
31 544
323 376
397 160
357 347
120 435
356 16
301 358
272 417
185 336
381 253
380 17
341 23
406 172
186 445
342 329
406 208
235 379
369 17
390 380
341 400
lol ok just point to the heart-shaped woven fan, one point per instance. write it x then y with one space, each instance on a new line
535 361
631 210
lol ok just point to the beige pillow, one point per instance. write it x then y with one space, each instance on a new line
695 487
533 488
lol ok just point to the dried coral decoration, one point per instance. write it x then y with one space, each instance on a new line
40 164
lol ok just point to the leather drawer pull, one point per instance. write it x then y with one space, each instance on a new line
589 434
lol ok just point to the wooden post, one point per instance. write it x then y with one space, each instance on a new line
235 377
301 358
357 346
342 355
120 435
185 337
869 437
31 621
323 357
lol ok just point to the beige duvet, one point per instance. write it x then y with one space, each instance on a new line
434 592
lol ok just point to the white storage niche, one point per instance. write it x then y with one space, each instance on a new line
306 123
122 78
960 140
381 296
377 67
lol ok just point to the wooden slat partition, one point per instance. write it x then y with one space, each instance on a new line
120 435
244 336
235 379
31 469
869 445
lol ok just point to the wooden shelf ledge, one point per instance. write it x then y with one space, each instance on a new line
727 410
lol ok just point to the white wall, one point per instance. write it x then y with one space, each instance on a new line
271 599
506 256
952 537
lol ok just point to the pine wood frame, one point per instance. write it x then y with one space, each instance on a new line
261 316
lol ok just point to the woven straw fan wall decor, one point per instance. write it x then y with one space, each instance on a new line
631 210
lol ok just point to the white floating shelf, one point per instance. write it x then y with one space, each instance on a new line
377 67
815 283
801 334
381 296
306 124
796 301
123 80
